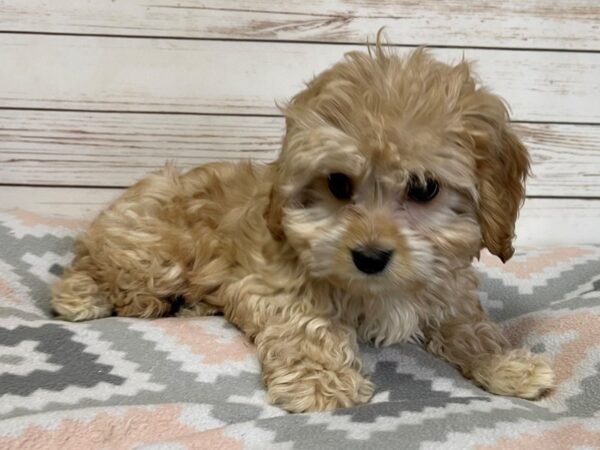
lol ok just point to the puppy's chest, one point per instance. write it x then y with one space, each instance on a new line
384 322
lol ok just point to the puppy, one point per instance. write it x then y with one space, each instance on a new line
394 173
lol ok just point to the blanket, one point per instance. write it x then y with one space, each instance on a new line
194 383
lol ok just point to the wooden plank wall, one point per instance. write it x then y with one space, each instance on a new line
95 94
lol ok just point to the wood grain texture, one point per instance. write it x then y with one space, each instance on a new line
565 159
569 24
578 219
559 222
69 203
107 149
123 74
113 149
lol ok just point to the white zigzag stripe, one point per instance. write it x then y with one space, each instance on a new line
192 362
33 361
199 417
22 292
40 398
40 265
363 430
489 436
585 291
256 438
258 398
51 420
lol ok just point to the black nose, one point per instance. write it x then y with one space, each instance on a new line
371 261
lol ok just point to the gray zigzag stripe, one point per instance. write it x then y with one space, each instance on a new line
13 251
543 297
181 385
77 367
405 436
587 402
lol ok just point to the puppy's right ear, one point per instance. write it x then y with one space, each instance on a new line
274 212
502 172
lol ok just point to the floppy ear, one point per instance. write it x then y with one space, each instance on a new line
502 167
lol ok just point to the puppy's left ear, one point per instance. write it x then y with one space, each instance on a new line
502 167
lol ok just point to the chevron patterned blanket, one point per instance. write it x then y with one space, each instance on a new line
194 383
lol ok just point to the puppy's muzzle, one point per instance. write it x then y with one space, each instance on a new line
371 260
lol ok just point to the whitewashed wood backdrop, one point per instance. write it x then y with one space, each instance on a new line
95 93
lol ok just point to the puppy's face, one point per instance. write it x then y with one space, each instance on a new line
395 169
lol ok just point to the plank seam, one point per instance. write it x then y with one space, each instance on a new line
192 113
84 186
296 41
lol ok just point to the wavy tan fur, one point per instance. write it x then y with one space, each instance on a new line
269 246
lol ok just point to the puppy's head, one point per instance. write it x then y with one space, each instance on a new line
393 168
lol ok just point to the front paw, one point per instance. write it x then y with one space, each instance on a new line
518 373
303 389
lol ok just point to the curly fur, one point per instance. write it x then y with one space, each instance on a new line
269 246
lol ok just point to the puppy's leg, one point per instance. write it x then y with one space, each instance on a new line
77 297
129 278
310 363
477 347
140 303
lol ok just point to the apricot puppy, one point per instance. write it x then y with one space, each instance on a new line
393 175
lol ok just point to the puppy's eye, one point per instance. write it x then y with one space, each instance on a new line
423 193
340 186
